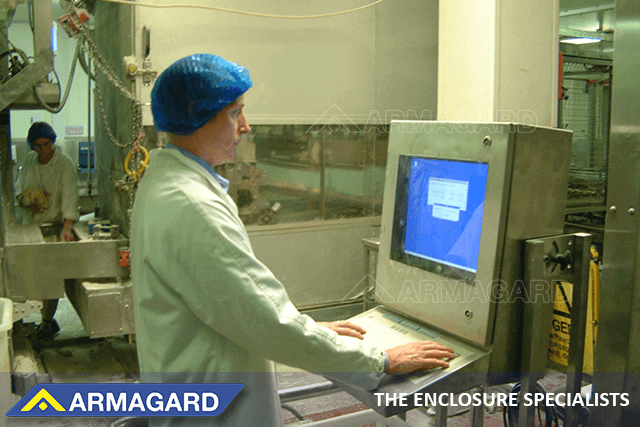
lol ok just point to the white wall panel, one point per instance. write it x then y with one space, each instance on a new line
498 61
379 58
407 59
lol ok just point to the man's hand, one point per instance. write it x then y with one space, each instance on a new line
418 356
67 235
348 329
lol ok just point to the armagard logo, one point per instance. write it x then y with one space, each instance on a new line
126 400
369 289
334 119
42 399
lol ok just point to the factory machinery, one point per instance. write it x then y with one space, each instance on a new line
585 108
94 270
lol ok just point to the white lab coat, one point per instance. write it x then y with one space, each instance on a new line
206 310
58 178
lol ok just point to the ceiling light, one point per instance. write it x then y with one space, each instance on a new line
580 40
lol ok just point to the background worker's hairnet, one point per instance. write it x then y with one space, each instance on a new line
193 89
40 130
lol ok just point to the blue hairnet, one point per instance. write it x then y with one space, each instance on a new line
193 89
40 130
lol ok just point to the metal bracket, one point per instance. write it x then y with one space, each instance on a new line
43 63
132 69
23 309
69 25
148 75
557 256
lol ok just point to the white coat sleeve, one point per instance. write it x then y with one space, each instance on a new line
69 192
23 216
238 296
25 171
19 186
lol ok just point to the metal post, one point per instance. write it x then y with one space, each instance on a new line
4 71
617 354
476 414
6 166
89 150
367 279
441 415
580 282
547 261
371 246
323 139
537 315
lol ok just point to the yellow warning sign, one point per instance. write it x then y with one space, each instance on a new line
561 323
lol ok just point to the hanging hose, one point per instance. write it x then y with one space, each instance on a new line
510 413
85 66
63 99
293 411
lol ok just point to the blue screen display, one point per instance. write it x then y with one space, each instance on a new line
445 204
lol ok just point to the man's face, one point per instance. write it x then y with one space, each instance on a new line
44 148
221 135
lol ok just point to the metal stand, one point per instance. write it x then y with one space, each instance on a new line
476 413
476 417
371 247
548 261
441 416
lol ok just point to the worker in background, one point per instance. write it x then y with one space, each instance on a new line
206 310
47 188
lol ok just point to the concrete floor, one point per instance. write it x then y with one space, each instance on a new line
73 358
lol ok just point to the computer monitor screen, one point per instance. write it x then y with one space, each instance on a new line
437 221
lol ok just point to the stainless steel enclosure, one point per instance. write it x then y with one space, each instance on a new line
525 198
36 269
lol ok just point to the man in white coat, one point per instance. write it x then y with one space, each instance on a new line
47 188
206 309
